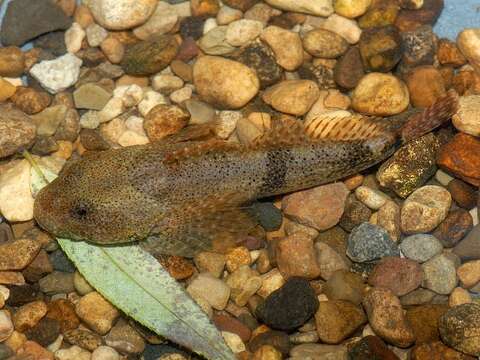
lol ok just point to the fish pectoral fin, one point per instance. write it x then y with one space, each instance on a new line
209 226
353 127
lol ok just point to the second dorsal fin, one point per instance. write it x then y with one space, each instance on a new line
343 128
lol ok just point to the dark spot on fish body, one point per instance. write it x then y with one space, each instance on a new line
277 161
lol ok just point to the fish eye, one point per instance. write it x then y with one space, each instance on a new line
80 211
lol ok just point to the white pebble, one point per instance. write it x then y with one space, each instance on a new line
443 178
135 123
166 83
74 37
90 120
112 109
374 199
150 100
131 95
234 342
242 32
72 353
56 345
346 28
474 213
182 94
130 138
105 353
16 201
209 24
95 35
58 74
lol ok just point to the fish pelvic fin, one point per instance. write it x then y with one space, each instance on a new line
216 224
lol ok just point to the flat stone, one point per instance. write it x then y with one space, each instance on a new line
440 274
27 19
212 290
161 21
17 131
57 283
454 228
468 248
294 97
96 312
164 120
426 85
421 247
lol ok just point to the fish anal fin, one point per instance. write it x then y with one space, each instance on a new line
215 224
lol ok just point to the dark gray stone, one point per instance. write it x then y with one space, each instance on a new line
469 247
369 242
26 19
53 42
61 262
269 217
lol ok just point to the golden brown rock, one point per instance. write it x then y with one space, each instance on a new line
31 101
449 54
437 350
7 90
461 157
380 13
204 7
425 84
164 120
409 20
12 61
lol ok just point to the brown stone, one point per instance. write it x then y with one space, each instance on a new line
461 157
349 69
296 256
449 54
400 275
466 82
33 351
437 350
178 267
225 322
63 311
28 315
39 267
12 61
456 225
380 48
424 321
463 194
242 5
338 319
204 7
426 85
164 120
83 338
18 254
408 20
380 13
31 101
371 347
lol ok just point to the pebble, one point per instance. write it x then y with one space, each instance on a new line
324 44
24 20
211 262
6 325
63 311
212 290
461 158
215 77
380 48
296 256
318 351
386 317
267 352
318 7
421 247
401 276
32 350
83 338
149 56
338 319
45 332
371 347
288 57
164 120
96 312
214 42
228 14
58 74
244 283
113 49
150 100
419 47
91 96
369 242
16 180
380 94
105 353
424 321
237 257
467 119
123 14
456 225
72 353
459 328
279 340
228 323
28 315
437 349
12 62
57 283
293 97
426 86
351 8
329 260
469 274
374 199
346 28
241 32
345 285
349 69
290 306
354 214
468 249
449 54
410 167
166 83
468 42
425 209
388 217
463 194
459 296
271 281
317 207
440 274
74 37
31 101
125 339
162 21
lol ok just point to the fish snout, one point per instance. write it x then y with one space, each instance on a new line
44 210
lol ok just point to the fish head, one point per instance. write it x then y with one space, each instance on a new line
93 200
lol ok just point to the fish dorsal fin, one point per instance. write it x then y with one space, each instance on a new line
353 127
213 224
192 149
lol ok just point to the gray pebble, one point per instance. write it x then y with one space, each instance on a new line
421 247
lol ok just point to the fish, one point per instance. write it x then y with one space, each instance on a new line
193 192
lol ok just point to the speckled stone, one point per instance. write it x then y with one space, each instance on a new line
418 46
410 167
454 228
440 274
421 247
424 321
380 48
369 242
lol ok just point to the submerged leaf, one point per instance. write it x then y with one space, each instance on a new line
136 283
